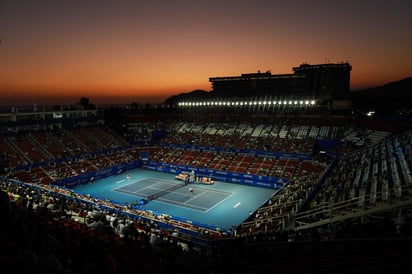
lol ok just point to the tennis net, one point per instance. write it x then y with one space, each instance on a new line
165 191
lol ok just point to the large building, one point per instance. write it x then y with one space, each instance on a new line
322 81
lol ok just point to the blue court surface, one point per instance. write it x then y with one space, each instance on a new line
221 205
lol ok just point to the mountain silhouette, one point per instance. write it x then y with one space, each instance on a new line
187 96
389 98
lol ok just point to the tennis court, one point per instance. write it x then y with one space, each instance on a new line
175 193
222 205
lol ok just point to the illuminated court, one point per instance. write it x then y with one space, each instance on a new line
220 205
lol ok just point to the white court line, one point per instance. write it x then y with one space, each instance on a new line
236 205
221 201
118 182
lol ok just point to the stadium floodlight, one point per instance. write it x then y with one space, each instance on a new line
284 102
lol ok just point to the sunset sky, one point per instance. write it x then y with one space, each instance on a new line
124 51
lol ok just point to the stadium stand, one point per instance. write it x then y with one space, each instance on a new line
344 208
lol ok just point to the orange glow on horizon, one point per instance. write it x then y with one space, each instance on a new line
53 52
96 95
148 91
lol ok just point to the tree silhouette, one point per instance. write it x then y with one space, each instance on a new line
85 102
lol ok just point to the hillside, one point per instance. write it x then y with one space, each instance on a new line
196 94
388 98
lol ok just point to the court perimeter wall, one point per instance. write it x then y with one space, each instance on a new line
221 175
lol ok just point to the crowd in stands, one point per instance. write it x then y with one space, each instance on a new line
50 233
58 234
